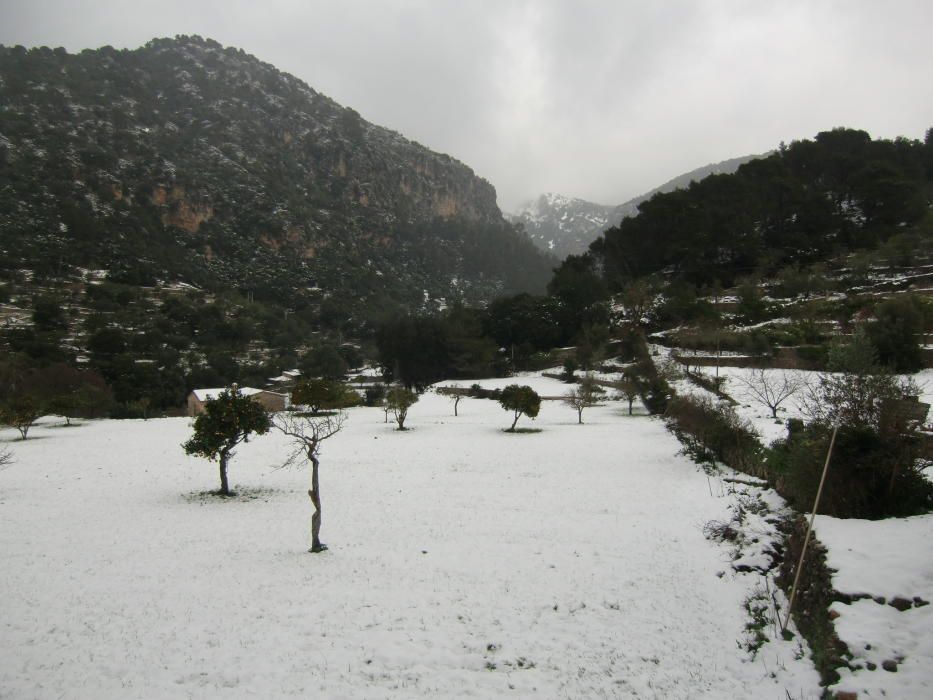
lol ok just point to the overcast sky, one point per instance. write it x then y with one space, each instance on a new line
598 99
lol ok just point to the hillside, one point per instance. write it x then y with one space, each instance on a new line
188 161
810 201
566 226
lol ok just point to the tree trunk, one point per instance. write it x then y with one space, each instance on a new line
517 416
579 416
224 488
456 401
315 495
630 402
773 411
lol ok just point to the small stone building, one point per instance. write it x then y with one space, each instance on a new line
270 400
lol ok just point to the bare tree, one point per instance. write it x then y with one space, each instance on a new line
628 389
307 432
771 389
584 395
455 396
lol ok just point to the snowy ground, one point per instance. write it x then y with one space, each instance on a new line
888 560
883 560
464 562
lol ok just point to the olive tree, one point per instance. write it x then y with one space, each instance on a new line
21 412
307 432
628 390
323 395
521 400
399 400
228 420
584 395
456 395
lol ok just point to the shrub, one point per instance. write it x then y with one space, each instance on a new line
871 474
713 432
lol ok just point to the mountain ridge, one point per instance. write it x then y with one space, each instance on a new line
568 225
188 160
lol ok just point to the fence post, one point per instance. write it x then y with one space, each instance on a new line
806 540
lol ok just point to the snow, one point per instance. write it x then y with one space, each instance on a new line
883 559
464 562
211 394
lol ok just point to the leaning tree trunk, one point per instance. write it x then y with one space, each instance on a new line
224 488
315 495
515 422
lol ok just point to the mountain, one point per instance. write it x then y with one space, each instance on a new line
807 203
725 167
562 225
566 226
192 162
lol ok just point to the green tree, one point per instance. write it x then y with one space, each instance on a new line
227 421
20 411
324 395
896 333
399 400
325 361
521 400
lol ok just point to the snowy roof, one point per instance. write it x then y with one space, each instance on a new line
210 394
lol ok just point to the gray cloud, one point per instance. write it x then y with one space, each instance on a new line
591 98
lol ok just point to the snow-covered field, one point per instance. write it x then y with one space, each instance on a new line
464 562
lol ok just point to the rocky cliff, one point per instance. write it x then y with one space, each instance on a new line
191 161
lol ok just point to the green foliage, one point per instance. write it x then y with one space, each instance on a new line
897 333
872 473
876 465
324 395
521 400
375 395
155 188
20 411
227 421
840 192
323 361
48 314
713 432
419 350
398 400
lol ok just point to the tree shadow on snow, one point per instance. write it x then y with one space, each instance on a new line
240 494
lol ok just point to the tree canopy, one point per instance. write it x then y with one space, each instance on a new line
228 420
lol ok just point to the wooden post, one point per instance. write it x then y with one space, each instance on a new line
806 540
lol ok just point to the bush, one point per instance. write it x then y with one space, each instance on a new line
870 475
712 432
374 395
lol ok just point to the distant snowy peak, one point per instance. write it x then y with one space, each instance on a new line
566 226
563 225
